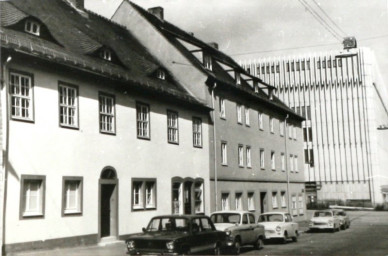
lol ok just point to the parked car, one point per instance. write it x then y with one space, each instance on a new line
279 225
177 235
325 219
343 218
240 227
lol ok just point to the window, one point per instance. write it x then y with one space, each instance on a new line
172 127
297 66
308 65
21 96
143 120
292 66
283 162
239 113
251 201
308 113
291 163
106 54
311 158
68 106
240 156
288 67
281 128
294 206
294 132
249 159
329 64
318 64
207 62
32 27
323 64
262 162
277 68
32 196
283 199
161 74
197 132
290 131
262 69
274 200
303 64
224 153
225 201
339 63
305 134
198 197
271 124
273 161
222 108
238 201
296 163
301 208
334 64
72 195
143 194
247 120
238 78
107 113
261 126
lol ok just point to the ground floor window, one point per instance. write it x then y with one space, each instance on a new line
283 198
238 201
251 201
225 201
187 196
301 209
32 196
143 194
274 200
72 195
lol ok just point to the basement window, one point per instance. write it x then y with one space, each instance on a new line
32 27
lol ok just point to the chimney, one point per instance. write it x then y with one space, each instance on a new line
349 43
79 4
157 11
214 45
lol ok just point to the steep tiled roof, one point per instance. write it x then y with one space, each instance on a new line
77 38
173 33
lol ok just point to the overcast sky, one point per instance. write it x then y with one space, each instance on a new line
246 29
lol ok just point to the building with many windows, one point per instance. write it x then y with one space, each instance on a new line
255 139
98 136
344 102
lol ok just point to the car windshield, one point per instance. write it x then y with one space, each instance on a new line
168 224
226 218
271 218
323 214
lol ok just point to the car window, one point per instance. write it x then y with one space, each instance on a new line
322 214
225 218
168 224
245 219
251 218
271 218
196 225
288 216
206 226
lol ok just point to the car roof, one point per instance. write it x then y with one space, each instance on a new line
231 211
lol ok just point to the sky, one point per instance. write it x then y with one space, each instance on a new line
249 29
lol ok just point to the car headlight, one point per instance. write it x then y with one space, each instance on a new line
130 244
170 245
278 228
228 232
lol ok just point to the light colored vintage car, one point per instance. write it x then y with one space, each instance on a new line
343 218
325 219
279 225
240 227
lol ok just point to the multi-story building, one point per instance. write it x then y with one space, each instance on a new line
344 102
255 162
97 135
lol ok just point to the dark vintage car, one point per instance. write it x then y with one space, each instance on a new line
177 235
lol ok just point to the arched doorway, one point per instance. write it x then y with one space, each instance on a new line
108 204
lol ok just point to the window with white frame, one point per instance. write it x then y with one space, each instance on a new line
301 208
143 120
72 195
106 54
21 92
68 106
239 113
281 128
261 123
240 155
107 113
224 153
275 200
283 160
197 132
32 196
238 201
207 61
271 124
143 194
225 201
222 108
262 159
249 159
291 163
296 163
283 199
251 201
161 74
238 78
172 127
32 27
273 160
247 119
198 197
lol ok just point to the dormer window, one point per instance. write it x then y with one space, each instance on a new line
238 78
32 27
207 62
106 54
161 74
256 87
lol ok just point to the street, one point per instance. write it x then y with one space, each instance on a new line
367 235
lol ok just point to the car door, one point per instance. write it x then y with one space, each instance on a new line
245 229
291 225
203 237
253 226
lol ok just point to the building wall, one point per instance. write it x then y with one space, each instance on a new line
335 92
43 148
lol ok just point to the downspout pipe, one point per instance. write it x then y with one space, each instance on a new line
215 147
286 160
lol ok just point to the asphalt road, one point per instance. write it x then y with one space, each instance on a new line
367 235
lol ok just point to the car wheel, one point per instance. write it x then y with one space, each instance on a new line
338 228
295 238
285 238
343 227
259 244
217 249
237 246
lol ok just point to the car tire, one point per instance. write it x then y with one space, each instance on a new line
295 238
259 244
338 228
285 238
237 246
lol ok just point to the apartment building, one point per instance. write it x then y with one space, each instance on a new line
344 102
98 136
256 145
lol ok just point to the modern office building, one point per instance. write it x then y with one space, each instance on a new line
256 143
344 102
